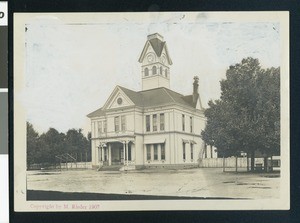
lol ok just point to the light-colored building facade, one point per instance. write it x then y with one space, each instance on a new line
152 127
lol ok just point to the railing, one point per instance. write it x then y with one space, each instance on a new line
115 134
130 162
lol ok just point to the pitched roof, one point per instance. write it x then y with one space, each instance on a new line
152 97
157 46
97 113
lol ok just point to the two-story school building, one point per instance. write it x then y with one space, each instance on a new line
153 127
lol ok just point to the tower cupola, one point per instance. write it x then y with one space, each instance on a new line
155 63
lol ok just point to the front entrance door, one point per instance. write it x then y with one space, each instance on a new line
117 155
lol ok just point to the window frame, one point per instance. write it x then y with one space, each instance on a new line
192 151
154 70
183 151
162 122
146 72
191 124
162 154
123 123
104 126
154 122
117 121
148 123
148 152
155 152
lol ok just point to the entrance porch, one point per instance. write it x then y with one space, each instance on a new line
116 153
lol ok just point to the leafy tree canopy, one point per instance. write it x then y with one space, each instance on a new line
45 147
247 115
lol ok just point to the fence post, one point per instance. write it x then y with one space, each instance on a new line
223 163
247 162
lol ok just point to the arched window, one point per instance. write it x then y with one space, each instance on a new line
154 70
161 70
146 71
166 72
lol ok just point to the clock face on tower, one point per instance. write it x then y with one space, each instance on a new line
150 58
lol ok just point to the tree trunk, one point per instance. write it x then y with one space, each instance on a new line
252 160
266 164
236 163
223 163
247 162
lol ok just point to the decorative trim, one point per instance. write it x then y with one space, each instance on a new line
145 134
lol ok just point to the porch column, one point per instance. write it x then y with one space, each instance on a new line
133 151
99 154
127 153
109 154
124 153
102 150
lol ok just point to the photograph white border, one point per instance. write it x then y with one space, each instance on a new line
20 202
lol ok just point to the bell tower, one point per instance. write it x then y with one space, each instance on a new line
155 63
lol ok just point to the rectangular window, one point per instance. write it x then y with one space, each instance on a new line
162 121
99 128
192 151
162 151
154 123
155 152
147 123
191 124
183 123
117 128
148 152
183 151
104 126
123 122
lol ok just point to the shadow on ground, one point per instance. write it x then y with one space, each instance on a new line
35 195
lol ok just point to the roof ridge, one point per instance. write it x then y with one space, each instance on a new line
127 88
173 91
169 94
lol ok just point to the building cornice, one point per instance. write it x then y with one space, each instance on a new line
146 134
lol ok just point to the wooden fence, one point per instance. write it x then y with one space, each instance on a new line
230 162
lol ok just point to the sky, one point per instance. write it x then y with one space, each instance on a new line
71 68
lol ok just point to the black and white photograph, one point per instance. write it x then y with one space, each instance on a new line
151 111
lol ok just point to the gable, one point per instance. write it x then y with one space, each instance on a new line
158 48
117 99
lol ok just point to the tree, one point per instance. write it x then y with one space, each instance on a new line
32 145
76 142
246 117
52 144
43 149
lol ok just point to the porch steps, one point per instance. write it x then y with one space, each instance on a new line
127 168
111 168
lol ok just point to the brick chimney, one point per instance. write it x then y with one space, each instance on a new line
195 89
